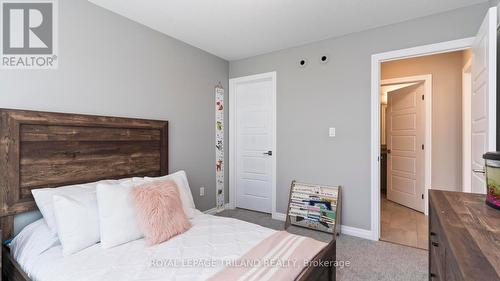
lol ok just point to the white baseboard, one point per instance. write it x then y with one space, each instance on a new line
357 232
213 211
344 229
278 216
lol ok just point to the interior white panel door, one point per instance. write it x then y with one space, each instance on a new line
405 138
483 101
254 142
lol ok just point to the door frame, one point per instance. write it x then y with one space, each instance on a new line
376 60
467 126
427 80
232 137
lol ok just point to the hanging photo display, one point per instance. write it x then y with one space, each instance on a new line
314 206
219 146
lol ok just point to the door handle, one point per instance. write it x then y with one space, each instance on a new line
477 171
388 151
270 153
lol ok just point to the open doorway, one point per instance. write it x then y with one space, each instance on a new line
483 111
421 140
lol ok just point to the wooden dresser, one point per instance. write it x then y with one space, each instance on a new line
464 237
1 249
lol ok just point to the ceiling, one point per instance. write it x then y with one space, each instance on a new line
384 90
236 29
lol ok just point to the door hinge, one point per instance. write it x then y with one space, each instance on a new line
422 196
423 147
423 98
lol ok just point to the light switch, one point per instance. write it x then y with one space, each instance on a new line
331 132
202 191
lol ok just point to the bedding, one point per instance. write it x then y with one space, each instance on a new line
160 212
118 219
282 256
32 241
44 198
185 194
195 255
77 221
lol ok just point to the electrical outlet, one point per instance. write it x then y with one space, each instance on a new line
202 191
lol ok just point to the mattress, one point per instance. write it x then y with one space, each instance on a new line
195 255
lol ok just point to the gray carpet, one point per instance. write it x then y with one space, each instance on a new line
369 260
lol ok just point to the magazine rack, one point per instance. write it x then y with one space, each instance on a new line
314 206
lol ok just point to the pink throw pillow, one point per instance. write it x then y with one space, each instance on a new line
159 210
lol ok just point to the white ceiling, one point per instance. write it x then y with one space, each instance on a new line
389 88
235 29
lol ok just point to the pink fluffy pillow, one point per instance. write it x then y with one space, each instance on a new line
159 210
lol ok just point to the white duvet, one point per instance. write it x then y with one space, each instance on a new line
195 255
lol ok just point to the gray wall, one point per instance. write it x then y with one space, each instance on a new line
109 65
337 95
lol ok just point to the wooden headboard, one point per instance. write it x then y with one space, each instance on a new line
41 149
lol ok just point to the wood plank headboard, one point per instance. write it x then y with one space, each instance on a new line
41 149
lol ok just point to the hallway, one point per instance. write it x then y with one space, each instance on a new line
402 225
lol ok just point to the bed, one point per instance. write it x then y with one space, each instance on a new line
43 150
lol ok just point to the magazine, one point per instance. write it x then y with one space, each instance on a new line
313 206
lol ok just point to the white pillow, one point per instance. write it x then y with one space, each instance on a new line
43 198
117 214
185 194
77 221
33 240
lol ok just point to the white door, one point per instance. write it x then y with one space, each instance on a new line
254 106
405 139
483 112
